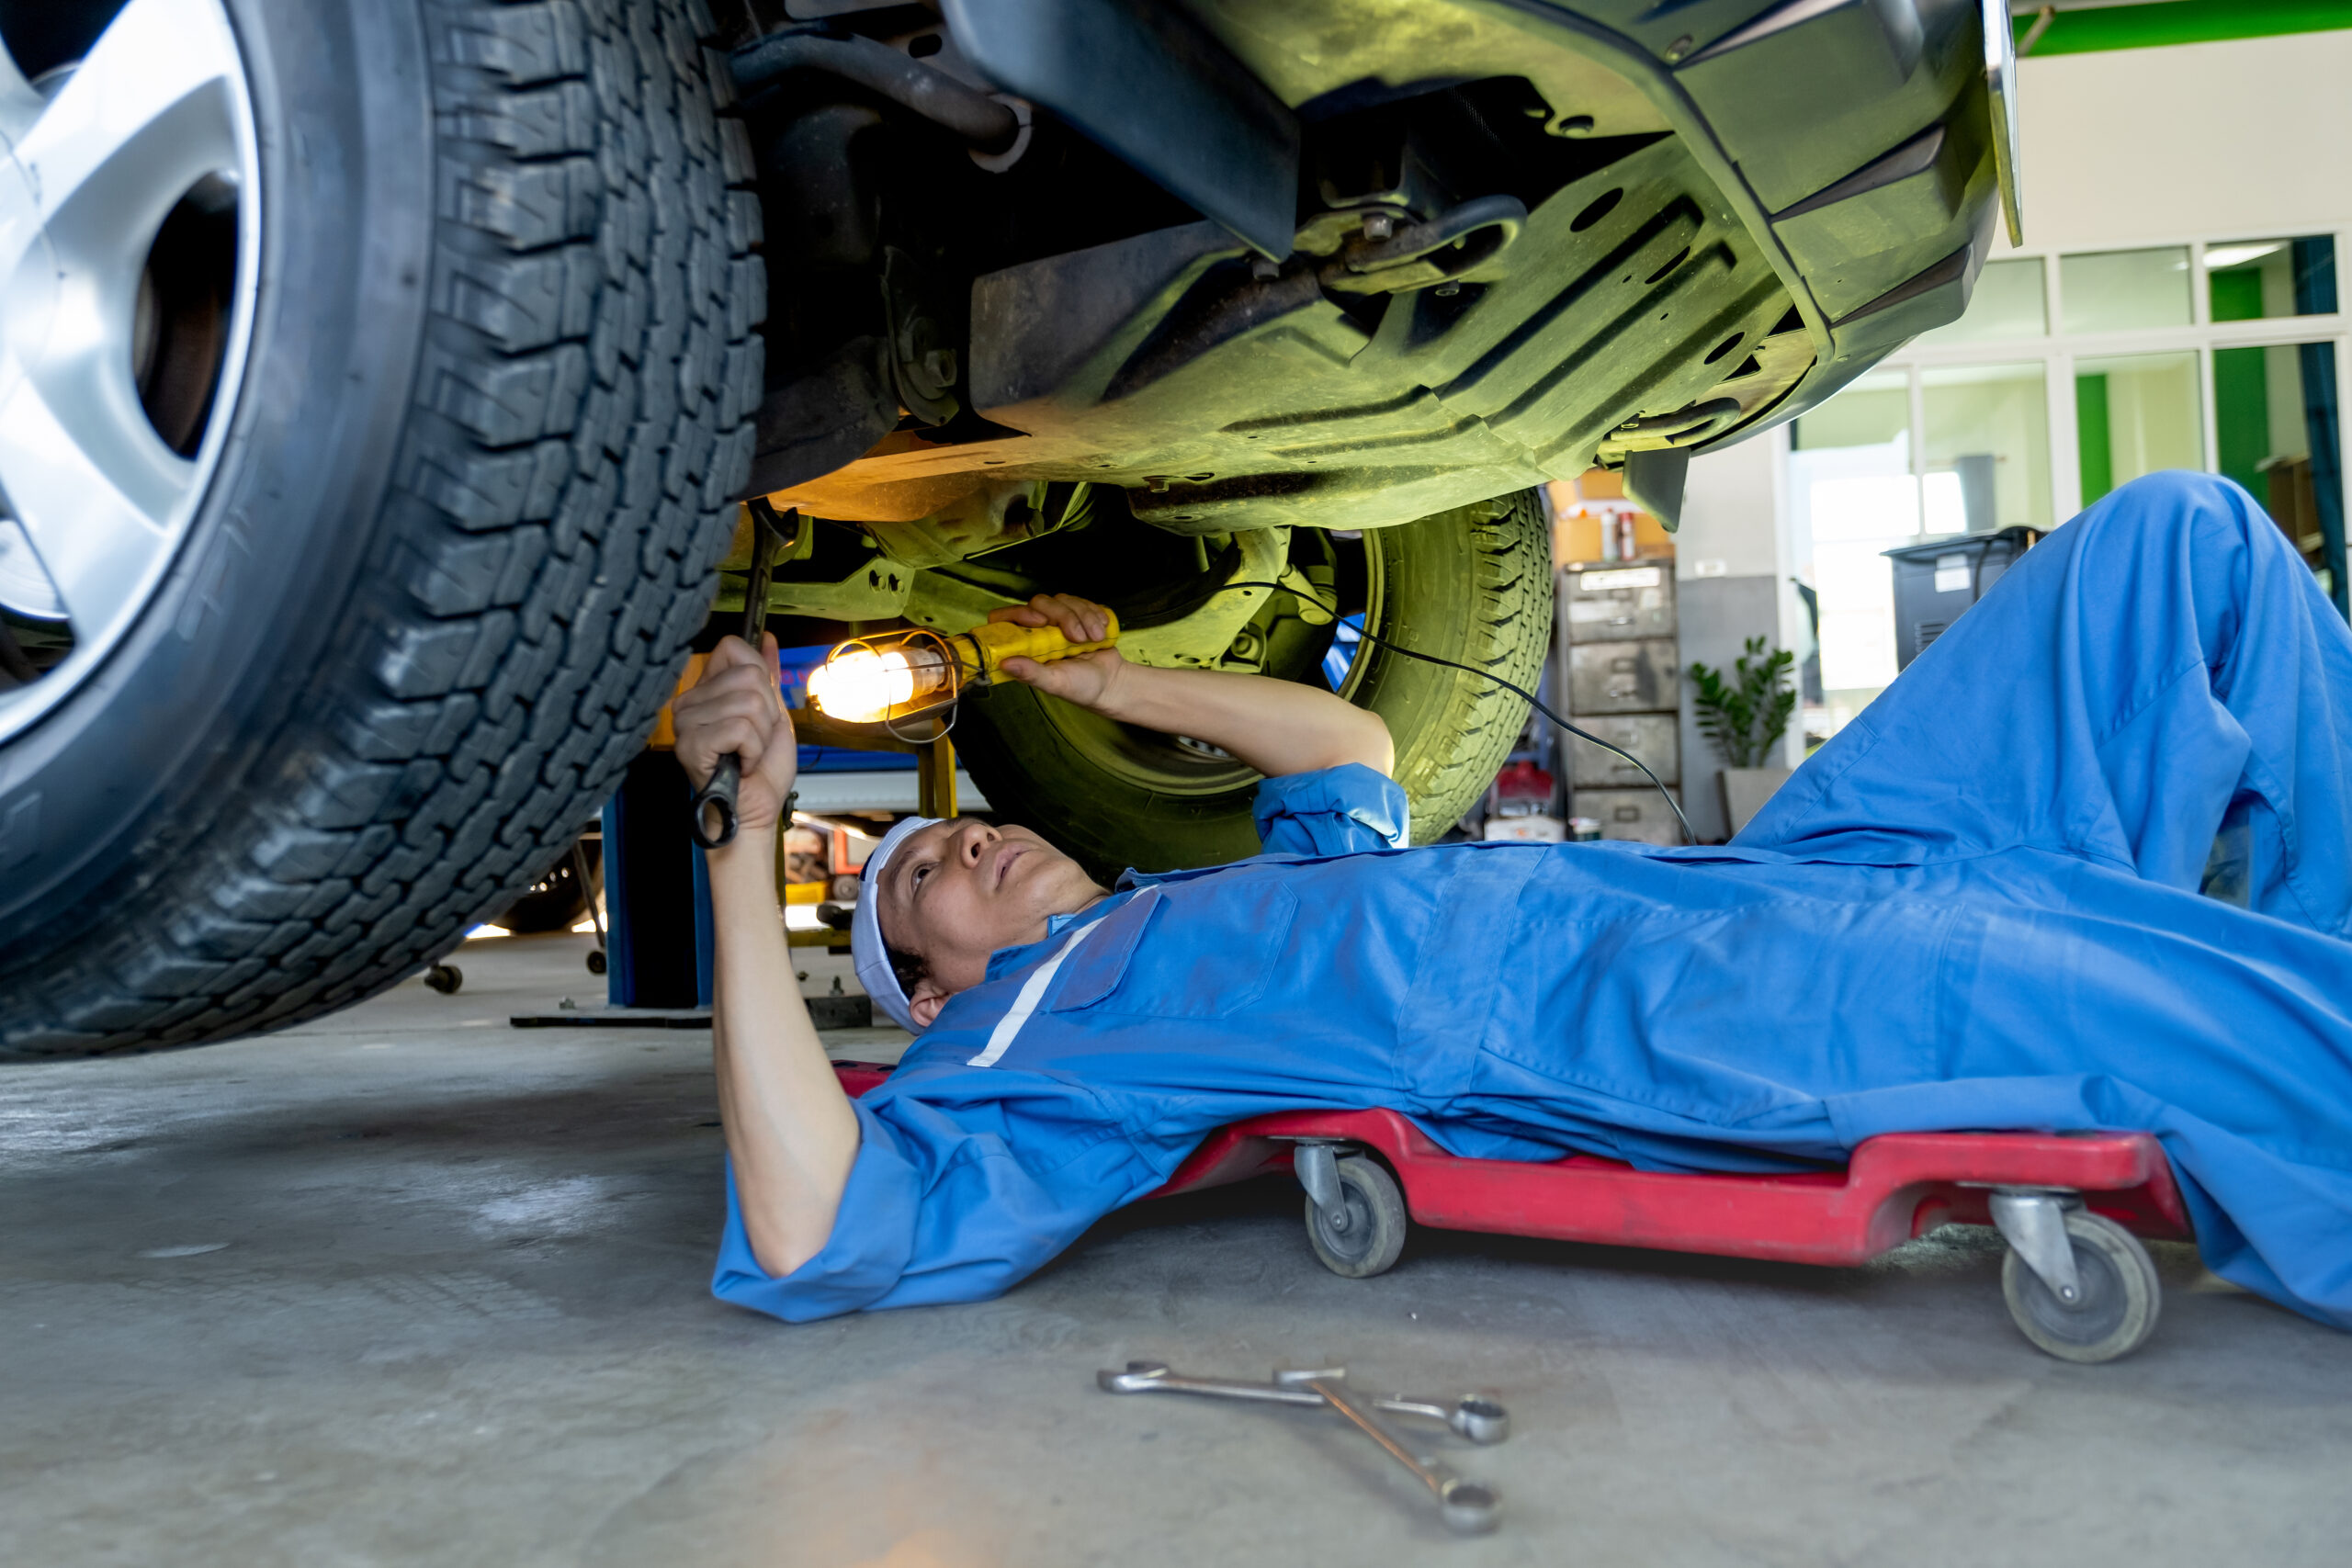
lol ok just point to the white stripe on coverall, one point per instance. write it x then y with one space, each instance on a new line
1025 1001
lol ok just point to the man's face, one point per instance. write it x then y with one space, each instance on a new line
956 891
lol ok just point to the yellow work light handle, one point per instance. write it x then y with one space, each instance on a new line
1000 640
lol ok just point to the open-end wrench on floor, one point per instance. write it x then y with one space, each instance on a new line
1468 1508
1477 1419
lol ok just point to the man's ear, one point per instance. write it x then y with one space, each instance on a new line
927 1000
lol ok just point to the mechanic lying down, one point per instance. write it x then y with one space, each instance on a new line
2087 864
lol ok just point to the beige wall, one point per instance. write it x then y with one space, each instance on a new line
1728 510
2251 136
1731 561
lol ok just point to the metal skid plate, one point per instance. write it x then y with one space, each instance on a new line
1226 399
1732 208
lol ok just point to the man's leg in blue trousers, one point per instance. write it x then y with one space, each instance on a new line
2162 667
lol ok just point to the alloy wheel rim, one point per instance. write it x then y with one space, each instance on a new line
129 245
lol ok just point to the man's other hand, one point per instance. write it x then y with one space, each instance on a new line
1276 727
1090 679
737 707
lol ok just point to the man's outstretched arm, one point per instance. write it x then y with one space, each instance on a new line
1276 727
791 1135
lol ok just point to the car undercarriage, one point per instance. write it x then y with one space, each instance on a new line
1438 255
385 377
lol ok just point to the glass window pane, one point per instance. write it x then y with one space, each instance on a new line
1852 463
2007 304
2275 410
2135 413
1987 447
1856 584
2255 279
2110 292
1851 495
1871 411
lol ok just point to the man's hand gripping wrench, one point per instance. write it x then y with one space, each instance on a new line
714 807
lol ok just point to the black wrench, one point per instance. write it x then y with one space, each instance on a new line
714 812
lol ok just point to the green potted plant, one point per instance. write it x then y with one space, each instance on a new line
1746 717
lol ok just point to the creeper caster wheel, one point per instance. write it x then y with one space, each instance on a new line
2117 1294
1355 1215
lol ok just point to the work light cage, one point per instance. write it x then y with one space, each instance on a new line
922 670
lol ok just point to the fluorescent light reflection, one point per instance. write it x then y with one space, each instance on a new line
2238 255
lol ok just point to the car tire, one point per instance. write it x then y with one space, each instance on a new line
1473 585
464 519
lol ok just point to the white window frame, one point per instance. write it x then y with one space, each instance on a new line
2057 352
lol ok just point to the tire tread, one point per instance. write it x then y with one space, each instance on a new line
1468 724
577 431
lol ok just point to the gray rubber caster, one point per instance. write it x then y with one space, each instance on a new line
2118 1295
1361 1235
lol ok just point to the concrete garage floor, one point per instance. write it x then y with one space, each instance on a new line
411 1286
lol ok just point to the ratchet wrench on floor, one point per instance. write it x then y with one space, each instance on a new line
714 811
1468 1508
1480 1419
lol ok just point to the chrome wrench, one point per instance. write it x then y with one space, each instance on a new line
1480 1419
1468 1508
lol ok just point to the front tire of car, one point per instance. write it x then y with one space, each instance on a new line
445 530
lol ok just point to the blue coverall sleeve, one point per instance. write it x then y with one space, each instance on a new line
935 1213
1332 811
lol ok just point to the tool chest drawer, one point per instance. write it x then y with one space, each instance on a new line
1652 736
1637 815
1623 677
1612 602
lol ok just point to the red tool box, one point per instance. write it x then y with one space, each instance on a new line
2077 1279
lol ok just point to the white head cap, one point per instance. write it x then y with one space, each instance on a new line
866 948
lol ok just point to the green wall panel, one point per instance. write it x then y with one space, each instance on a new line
2237 296
2094 443
2242 416
2181 21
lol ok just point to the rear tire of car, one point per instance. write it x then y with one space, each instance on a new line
559 900
464 522
1473 585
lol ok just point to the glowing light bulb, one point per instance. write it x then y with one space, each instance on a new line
860 685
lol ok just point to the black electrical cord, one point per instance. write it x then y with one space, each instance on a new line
1533 701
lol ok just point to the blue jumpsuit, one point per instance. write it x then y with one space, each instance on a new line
2084 865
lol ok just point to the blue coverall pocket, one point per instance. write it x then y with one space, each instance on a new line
1213 963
